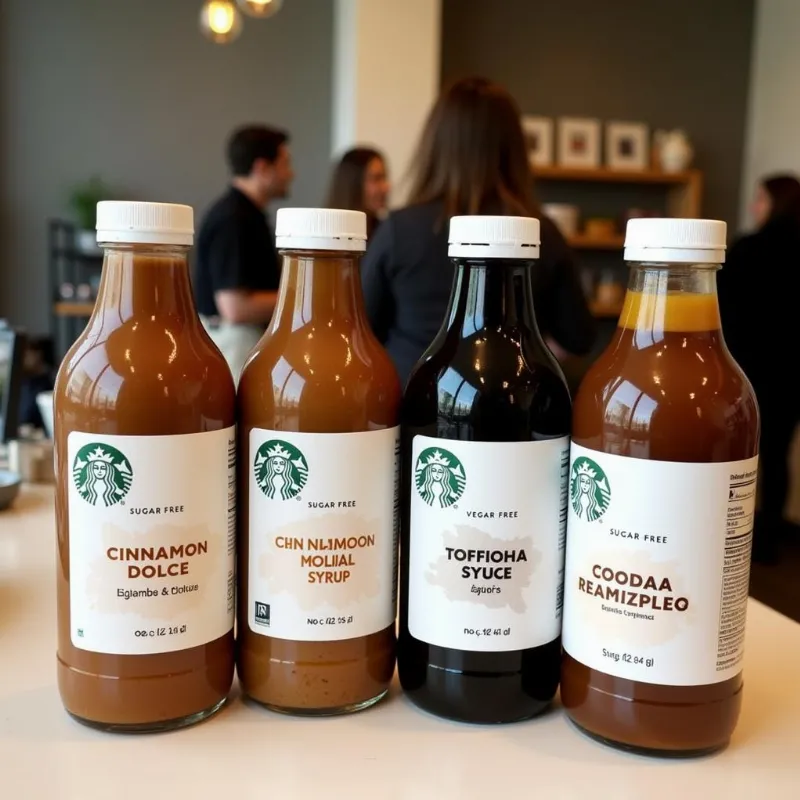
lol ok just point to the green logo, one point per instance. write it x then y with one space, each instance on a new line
281 469
590 493
439 477
102 475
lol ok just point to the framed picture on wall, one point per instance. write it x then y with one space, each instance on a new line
539 140
579 143
627 145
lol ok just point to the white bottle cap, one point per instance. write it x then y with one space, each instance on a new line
494 237
144 223
321 229
686 241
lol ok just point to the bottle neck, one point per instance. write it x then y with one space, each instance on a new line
145 280
320 287
492 294
671 298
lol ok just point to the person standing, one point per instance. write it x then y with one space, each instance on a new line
758 290
238 269
471 159
360 182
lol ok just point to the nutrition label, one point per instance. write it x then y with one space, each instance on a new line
562 529
736 569
232 522
396 539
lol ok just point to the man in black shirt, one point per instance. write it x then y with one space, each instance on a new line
238 270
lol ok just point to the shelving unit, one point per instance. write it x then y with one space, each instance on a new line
605 311
684 189
69 267
582 242
66 308
682 198
606 175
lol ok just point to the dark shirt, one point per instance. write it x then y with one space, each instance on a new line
235 250
373 223
759 286
407 279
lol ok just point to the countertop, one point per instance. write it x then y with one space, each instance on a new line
392 751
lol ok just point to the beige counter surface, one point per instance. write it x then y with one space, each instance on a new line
390 752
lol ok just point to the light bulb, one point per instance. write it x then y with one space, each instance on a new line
220 21
260 8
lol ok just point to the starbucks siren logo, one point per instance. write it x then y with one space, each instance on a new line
439 477
102 474
281 469
589 490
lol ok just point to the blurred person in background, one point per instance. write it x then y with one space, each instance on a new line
360 182
471 159
777 199
238 269
758 290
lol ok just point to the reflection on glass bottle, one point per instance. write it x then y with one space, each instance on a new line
657 568
486 419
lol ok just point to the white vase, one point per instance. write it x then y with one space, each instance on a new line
565 217
675 151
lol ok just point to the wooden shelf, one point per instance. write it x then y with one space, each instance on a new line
604 175
69 308
684 190
582 242
604 310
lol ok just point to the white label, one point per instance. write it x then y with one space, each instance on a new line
152 540
486 552
323 533
658 565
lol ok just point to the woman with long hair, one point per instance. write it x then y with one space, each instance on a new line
471 159
758 289
360 182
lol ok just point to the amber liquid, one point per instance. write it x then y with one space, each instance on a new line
668 345
144 366
318 369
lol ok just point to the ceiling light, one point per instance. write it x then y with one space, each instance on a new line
220 21
260 8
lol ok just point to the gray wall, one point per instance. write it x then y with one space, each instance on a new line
130 89
774 113
669 63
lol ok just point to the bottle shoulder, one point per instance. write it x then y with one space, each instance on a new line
319 378
489 376
145 368
683 398
321 355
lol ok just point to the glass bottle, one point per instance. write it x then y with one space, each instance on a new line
318 404
662 495
145 538
486 422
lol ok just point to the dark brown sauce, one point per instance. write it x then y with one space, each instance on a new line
510 389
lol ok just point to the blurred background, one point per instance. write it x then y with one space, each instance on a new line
131 100
661 107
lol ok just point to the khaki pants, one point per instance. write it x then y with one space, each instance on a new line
234 341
